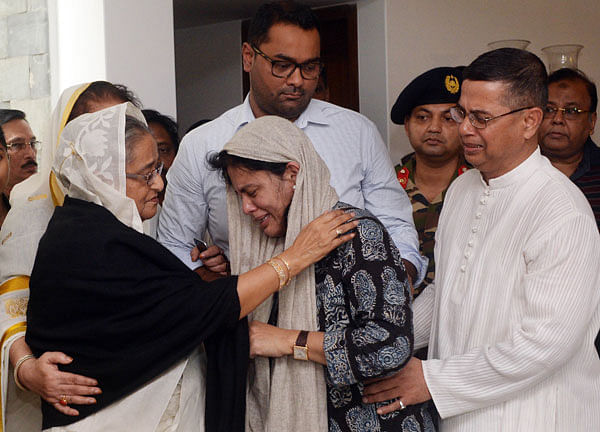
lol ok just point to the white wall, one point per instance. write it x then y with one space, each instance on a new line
209 71
423 34
77 46
140 50
372 65
129 42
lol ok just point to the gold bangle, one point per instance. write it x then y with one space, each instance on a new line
279 269
18 366
287 265
288 273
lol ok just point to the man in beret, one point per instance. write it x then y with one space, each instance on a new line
423 108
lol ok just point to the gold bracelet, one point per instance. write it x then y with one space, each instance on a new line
18 366
288 273
287 265
283 277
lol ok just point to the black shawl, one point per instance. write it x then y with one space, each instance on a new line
126 310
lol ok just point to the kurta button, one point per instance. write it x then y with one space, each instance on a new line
470 243
467 255
483 201
487 192
474 229
478 215
463 268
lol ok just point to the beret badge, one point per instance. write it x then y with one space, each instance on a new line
452 84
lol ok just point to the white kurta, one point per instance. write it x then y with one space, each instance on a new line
515 305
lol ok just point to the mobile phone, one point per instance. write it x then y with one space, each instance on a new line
201 245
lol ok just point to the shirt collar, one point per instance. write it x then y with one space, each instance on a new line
315 112
245 115
520 173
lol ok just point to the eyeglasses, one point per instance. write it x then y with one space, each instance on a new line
570 113
478 120
19 146
285 68
150 177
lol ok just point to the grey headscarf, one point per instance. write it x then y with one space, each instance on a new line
293 397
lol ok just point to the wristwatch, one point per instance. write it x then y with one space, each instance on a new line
300 348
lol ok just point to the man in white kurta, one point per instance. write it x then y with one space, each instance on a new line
513 313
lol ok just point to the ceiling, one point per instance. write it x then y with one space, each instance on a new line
191 13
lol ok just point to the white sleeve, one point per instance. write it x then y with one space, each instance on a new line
185 212
386 199
422 316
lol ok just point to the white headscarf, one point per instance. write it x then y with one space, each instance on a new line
293 397
91 157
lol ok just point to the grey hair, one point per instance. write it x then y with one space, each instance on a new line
134 131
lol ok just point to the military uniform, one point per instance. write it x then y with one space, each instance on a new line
425 213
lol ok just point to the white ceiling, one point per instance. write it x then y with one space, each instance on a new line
191 13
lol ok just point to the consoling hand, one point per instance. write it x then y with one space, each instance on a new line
270 341
43 377
408 385
318 238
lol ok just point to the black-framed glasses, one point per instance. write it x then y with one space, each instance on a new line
150 177
19 146
570 113
309 70
478 120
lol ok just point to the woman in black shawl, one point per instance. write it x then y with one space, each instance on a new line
129 312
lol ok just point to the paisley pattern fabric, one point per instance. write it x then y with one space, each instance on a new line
364 308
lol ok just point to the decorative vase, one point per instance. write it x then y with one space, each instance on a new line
562 56
509 43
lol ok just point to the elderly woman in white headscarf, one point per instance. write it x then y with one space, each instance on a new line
343 321
127 310
33 202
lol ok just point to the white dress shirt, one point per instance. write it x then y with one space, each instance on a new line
361 173
515 305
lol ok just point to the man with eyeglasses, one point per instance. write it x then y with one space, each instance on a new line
565 133
21 144
282 56
512 315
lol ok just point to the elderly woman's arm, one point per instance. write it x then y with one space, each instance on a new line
371 338
314 242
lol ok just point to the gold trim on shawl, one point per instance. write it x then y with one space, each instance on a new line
58 197
14 284
12 330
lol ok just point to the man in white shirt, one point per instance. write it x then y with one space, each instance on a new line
282 56
512 315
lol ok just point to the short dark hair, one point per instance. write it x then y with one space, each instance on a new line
102 90
7 115
567 74
153 116
286 12
222 160
134 130
523 71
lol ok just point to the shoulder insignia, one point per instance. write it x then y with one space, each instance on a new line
452 84
402 175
